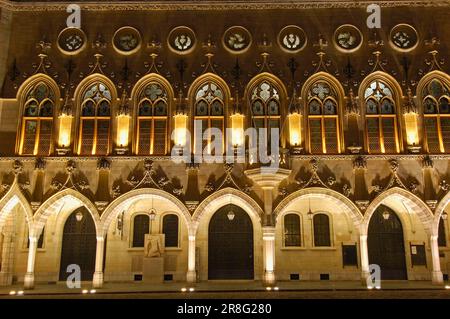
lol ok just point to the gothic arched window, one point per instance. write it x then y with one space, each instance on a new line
265 107
323 119
436 109
95 120
292 232
381 118
37 120
209 108
322 237
170 230
152 120
141 226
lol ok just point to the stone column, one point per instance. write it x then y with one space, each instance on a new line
97 281
364 253
29 276
6 273
269 255
191 275
436 273
268 180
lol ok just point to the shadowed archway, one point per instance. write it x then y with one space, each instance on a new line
230 244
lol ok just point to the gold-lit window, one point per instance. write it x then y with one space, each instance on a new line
152 120
95 120
381 119
323 119
436 109
209 109
37 121
265 108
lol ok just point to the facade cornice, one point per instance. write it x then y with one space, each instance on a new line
305 157
212 5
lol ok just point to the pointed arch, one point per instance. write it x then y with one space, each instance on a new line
57 202
380 93
413 202
95 98
439 210
124 201
10 200
152 99
209 99
267 100
342 202
433 95
39 101
224 197
329 101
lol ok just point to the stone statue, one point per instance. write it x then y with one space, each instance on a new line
154 246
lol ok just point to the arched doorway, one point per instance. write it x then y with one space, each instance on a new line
386 245
78 244
230 244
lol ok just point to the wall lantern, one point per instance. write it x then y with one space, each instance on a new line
237 124
65 127
411 126
386 215
123 125
79 216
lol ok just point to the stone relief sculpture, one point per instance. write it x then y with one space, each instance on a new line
154 246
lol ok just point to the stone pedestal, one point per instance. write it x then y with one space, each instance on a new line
153 270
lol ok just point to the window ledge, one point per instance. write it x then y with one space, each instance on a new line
173 249
323 248
294 248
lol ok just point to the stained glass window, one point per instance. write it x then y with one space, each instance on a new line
265 108
381 121
95 120
37 121
323 119
209 110
436 109
152 120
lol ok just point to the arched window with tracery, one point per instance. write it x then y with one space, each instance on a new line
381 118
152 120
265 107
436 109
95 120
37 120
209 108
323 119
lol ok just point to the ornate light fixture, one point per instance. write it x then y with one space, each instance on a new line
79 216
152 212
386 215
230 214
444 216
123 124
